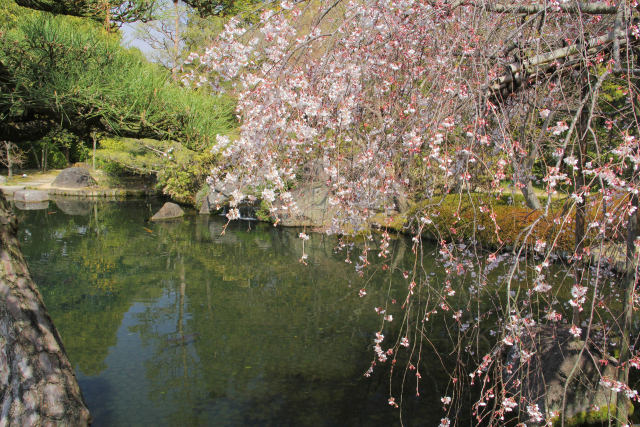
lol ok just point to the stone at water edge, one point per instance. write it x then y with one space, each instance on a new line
205 209
312 198
168 211
559 355
30 196
3 179
74 178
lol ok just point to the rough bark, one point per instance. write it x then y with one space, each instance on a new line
581 206
522 74
37 384
596 8
623 403
176 41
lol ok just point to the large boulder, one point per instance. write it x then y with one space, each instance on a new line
559 357
74 178
31 196
217 197
168 211
312 199
206 208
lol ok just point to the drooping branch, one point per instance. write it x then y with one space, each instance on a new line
111 10
76 8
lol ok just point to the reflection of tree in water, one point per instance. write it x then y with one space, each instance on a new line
89 270
264 334
239 329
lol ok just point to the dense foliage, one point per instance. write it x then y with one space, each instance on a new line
71 72
110 10
66 81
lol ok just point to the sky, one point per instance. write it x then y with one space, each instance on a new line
129 40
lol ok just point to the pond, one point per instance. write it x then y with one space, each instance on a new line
180 323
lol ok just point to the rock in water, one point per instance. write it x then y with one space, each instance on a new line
31 196
168 211
74 178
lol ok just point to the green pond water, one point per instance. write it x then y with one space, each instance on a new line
176 324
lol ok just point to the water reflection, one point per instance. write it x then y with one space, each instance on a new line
180 323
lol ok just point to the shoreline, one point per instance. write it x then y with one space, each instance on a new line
43 182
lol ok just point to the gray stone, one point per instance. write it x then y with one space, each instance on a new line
558 357
168 211
74 178
9 190
312 198
30 196
3 179
218 196
205 208
314 209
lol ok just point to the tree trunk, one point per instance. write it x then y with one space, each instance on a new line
580 225
526 174
45 154
176 42
94 137
107 15
9 162
530 197
37 383
622 410
35 156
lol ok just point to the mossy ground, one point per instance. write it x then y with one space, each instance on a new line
498 221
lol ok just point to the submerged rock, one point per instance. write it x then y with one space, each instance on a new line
31 196
74 178
168 211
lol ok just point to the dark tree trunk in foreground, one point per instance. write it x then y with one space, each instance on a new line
37 382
